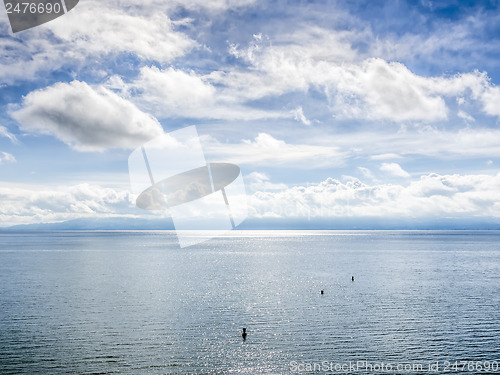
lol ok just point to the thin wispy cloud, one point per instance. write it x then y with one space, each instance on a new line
5 157
266 150
4 132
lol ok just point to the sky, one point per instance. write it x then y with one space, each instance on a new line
369 110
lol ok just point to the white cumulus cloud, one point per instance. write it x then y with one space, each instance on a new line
87 118
431 196
27 204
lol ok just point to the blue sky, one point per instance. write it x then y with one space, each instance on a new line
372 110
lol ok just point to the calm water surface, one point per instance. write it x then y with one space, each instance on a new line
135 303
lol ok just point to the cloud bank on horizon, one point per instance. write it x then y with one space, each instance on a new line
332 110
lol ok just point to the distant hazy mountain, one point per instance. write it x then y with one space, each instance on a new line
340 224
99 224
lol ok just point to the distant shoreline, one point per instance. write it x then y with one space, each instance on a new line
355 224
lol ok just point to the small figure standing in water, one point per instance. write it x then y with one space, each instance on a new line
352 278
322 291
244 334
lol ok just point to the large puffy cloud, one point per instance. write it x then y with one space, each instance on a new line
87 118
431 196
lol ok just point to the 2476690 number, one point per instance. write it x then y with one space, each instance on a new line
33 8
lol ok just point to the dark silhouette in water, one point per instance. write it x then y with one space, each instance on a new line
352 278
244 334
322 291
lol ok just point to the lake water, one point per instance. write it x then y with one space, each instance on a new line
136 303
